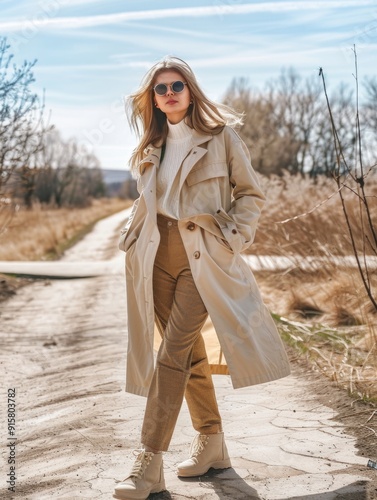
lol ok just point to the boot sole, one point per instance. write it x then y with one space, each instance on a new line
223 464
156 489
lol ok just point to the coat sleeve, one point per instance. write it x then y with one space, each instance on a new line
239 224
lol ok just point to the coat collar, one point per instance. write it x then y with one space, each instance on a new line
198 139
154 153
152 158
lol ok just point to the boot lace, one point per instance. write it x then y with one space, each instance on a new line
142 461
199 445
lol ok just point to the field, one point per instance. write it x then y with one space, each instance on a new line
44 233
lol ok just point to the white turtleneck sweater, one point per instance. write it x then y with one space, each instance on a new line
178 144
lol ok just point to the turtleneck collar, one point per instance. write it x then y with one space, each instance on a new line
179 131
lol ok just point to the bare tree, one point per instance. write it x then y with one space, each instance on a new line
260 129
21 119
285 125
370 116
20 115
87 182
322 150
351 176
65 175
371 103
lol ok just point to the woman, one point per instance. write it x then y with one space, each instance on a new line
198 208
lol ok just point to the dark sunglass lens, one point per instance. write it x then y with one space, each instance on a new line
178 86
161 89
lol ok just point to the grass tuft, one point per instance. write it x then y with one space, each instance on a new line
335 353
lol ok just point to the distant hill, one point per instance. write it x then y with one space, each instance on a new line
119 183
113 176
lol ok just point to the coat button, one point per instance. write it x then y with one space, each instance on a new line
190 226
196 255
234 231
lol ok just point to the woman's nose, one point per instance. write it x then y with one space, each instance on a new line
170 91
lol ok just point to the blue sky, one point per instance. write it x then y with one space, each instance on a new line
92 53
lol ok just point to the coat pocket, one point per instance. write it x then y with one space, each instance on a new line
207 172
224 243
229 229
126 243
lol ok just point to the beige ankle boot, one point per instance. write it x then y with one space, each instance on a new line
147 476
206 451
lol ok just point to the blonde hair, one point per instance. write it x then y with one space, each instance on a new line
150 123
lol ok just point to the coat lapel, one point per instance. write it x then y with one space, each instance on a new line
148 172
148 168
196 153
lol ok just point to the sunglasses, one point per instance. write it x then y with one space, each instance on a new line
176 87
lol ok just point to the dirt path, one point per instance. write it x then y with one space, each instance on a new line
63 345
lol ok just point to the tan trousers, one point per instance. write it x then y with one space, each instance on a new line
182 366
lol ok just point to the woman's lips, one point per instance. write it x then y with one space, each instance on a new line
171 101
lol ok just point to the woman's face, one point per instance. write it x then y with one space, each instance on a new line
173 104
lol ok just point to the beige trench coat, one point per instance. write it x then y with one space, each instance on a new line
219 207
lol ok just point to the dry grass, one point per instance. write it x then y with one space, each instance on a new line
347 356
335 296
322 232
328 320
324 313
44 233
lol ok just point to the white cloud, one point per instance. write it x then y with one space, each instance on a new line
220 10
74 3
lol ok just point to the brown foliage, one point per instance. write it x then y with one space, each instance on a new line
303 217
